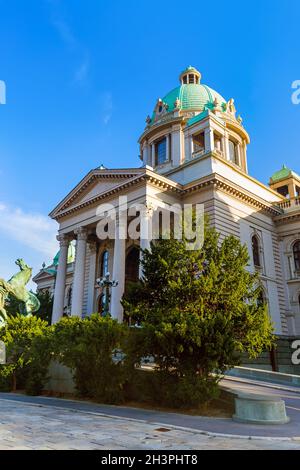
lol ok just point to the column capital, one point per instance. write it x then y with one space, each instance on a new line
149 208
81 233
63 239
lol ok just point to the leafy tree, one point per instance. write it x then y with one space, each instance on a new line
199 311
45 310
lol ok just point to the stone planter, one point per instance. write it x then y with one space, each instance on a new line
259 409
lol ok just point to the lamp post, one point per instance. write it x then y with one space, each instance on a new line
106 285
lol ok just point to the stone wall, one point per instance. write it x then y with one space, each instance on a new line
280 360
60 379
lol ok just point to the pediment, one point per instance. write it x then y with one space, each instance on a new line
97 182
42 275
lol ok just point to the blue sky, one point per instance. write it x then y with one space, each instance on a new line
81 77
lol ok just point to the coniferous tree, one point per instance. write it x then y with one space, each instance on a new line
199 310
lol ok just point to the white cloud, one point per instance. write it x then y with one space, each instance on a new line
107 107
81 73
69 39
65 32
33 230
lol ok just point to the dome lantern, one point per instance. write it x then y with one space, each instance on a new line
190 76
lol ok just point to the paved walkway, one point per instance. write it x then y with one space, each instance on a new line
31 424
199 423
49 423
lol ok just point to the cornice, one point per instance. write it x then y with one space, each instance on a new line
147 176
89 179
160 124
236 168
287 217
233 189
214 180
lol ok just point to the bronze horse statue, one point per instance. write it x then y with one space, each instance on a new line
16 287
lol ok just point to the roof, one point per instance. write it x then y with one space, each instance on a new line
283 174
191 96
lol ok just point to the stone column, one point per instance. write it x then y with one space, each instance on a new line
226 146
116 309
78 280
191 147
292 190
176 145
168 147
146 232
209 143
60 282
92 277
245 156
153 155
239 155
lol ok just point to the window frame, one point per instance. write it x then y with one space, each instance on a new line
256 251
296 255
231 142
157 143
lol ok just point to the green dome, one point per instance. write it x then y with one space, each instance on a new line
194 97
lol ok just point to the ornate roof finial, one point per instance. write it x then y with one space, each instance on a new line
177 103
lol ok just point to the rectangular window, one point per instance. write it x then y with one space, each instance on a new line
218 142
198 142
161 151
233 157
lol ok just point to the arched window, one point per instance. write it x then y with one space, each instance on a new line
296 251
132 265
256 251
104 263
261 299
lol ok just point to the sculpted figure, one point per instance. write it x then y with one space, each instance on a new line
16 287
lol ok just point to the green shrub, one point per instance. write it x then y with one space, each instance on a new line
90 348
19 334
41 353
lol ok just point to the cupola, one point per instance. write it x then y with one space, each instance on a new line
190 76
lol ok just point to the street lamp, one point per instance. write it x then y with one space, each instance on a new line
106 285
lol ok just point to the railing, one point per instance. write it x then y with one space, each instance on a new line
289 204
284 204
198 153
219 152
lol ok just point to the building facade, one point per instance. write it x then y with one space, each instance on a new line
193 151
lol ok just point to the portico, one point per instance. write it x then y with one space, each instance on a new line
87 267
